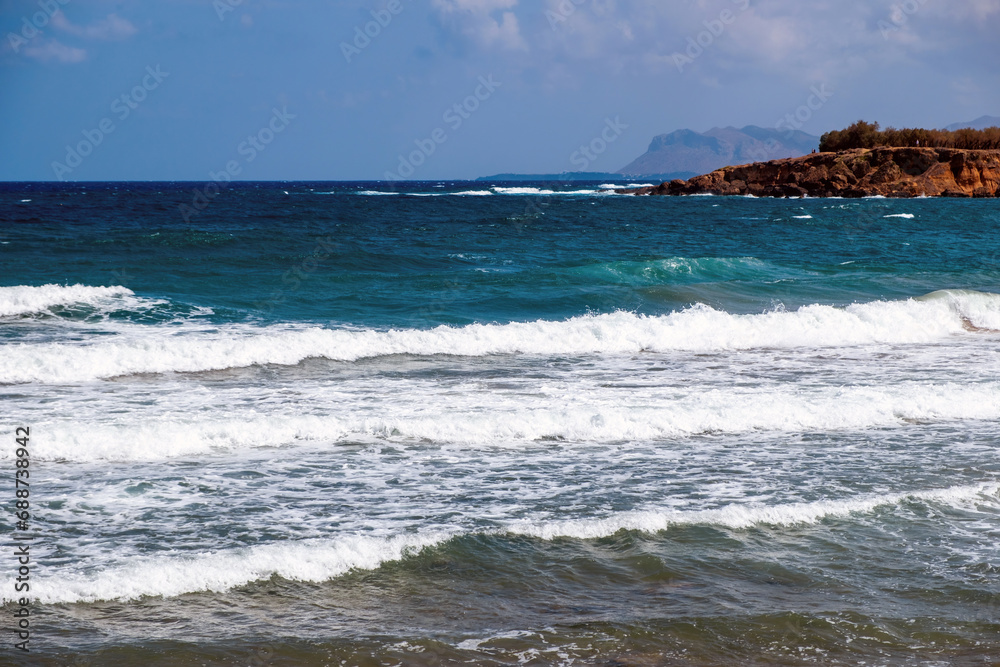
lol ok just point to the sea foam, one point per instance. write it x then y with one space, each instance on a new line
512 420
699 328
28 300
748 516
324 559
170 576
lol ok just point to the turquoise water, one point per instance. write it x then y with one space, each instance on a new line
461 422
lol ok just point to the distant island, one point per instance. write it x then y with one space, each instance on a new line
677 158
863 160
683 154
574 176
702 152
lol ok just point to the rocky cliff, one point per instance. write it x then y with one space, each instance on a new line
891 172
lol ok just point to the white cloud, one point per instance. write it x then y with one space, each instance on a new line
477 22
112 27
51 49
805 42
975 9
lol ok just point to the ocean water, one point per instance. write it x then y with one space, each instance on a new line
500 424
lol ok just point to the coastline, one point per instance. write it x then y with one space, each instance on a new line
887 172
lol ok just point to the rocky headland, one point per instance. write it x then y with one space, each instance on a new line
890 172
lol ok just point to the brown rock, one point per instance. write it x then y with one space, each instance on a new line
890 172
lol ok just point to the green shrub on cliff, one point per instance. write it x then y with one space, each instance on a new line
868 135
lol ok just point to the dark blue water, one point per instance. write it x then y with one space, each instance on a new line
368 423
322 253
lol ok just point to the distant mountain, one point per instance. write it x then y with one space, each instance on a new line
693 152
980 123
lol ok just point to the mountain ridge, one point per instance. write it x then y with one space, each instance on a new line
701 152
980 123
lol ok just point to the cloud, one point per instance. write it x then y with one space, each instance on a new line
797 41
112 27
475 22
49 50
976 9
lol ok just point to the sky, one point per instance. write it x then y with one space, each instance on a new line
454 89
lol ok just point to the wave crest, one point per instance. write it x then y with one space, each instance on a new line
322 560
699 329
28 300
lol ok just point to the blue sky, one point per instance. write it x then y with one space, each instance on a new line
182 89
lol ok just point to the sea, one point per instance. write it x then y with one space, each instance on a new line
432 423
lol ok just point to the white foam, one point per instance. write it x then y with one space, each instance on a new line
368 193
419 414
742 516
620 186
467 193
908 216
696 329
169 576
321 560
26 300
522 191
669 269
802 217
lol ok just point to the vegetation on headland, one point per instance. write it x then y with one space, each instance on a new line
868 135
906 171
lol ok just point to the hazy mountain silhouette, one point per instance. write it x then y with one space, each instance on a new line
700 153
